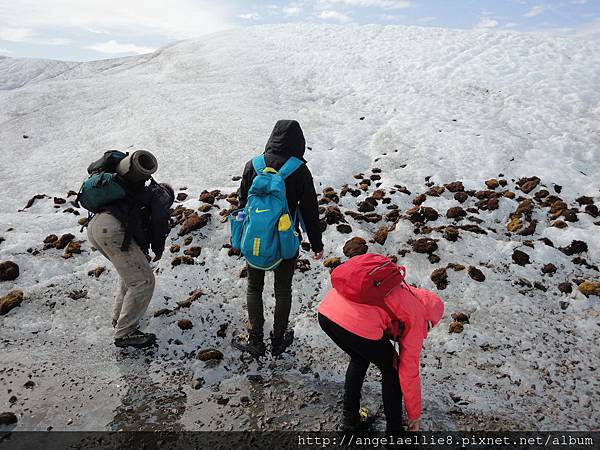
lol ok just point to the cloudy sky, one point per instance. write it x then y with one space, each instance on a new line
80 30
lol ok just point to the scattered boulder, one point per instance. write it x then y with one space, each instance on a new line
530 229
525 207
547 241
193 222
209 354
96 272
515 224
492 183
419 199
9 271
456 212
456 327
185 324
244 272
188 240
574 247
528 184
355 246
194 252
461 197
455 186
207 197
584 200
588 288
433 258
429 213
381 235
175 248
476 274
451 234
162 312
192 297
456 267
520 258
333 215
440 278
365 206
303 265
332 263
460 317
63 241
549 268
592 210
508 194
72 248
436 191
379 194
10 301
185 259
181 196
559 224
392 216
330 193
8 418
344 228
424 245
565 288
570 215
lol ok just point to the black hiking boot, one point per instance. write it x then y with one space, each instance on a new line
136 339
253 344
280 343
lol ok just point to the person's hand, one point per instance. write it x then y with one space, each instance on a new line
414 425
318 255
157 258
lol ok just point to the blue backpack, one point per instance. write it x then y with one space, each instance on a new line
103 186
264 230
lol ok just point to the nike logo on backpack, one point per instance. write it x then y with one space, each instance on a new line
258 211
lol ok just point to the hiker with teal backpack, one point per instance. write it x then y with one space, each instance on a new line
276 196
129 217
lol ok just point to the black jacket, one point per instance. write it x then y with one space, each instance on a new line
287 140
145 213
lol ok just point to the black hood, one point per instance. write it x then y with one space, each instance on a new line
287 139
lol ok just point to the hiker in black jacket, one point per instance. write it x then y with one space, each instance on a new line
124 232
286 140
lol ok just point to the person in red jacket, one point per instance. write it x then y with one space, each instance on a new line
363 331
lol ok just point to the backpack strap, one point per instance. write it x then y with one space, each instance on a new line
259 163
290 166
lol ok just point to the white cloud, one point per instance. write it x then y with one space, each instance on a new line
426 19
486 23
292 11
114 48
579 2
334 15
5 50
535 11
14 34
250 16
385 4
176 19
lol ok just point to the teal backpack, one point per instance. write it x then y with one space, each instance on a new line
264 230
103 186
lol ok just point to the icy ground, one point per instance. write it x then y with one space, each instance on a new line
451 105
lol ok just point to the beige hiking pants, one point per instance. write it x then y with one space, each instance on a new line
136 280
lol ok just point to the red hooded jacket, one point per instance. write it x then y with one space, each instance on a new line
413 307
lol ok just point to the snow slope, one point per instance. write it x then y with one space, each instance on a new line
415 102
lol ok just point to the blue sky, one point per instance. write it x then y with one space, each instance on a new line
78 30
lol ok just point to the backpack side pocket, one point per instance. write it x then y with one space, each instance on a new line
237 228
289 242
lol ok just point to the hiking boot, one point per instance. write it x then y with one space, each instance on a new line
280 343
136 339
253 344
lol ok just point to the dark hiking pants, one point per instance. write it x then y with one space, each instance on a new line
363 352
283 298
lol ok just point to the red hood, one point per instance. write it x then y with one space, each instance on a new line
434 306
